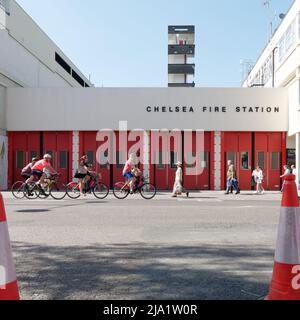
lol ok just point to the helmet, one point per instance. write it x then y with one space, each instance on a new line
34 159
47 156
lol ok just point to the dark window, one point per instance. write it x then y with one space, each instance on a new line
20 159
51 154
190 160
204 156
90 155
245 160
62 63
63 159
86 85
77 78
159 161
104 159
261 159
119 161
33 154
231 156
173 159
274 160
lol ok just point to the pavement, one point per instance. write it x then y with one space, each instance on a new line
209 246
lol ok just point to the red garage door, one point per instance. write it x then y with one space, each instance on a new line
238 149
269 155
59 145
23 146
198 181
89 146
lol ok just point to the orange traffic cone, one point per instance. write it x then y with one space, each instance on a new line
8 281
285 283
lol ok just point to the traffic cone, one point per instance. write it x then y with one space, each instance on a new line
8 281
285 283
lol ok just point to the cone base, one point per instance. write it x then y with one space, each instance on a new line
11 292
281 287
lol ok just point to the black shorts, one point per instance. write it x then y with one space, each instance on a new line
25 175
37 173
80 175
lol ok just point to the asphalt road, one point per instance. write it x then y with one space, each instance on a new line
210 246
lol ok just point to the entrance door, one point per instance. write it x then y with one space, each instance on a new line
25 146
238 149
268 154
89 146
58 145
198 181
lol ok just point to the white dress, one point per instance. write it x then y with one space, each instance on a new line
178 182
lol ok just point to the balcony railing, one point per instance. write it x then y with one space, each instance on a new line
188 49
182 68
182 85
181 29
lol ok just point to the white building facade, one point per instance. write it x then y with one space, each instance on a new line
28 58
279 66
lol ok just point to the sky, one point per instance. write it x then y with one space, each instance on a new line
123 43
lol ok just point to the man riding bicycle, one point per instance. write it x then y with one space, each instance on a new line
42 170
27 171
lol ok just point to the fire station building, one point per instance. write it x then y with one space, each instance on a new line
48 106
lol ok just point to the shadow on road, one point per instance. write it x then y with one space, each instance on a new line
143 271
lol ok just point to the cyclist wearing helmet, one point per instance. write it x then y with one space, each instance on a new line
41 169
27 171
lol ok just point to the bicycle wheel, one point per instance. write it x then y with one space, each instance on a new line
72 190
147 191
121 191
43 193
100 190
18 190
30 191
58 190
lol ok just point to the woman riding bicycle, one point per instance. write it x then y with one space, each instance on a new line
127 172
83 173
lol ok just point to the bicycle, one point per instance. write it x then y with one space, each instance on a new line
53 187
17 189
147 190
99 189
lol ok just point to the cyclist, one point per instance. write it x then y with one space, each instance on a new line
42 169
83 173
136 177
26 171
127 173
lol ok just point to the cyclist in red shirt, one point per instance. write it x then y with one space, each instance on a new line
40 170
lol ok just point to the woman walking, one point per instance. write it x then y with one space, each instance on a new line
178 188
258 176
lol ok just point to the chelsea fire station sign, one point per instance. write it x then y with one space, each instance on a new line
93 109
215 109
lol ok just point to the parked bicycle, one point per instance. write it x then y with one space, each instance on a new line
95 186
53 187
147 190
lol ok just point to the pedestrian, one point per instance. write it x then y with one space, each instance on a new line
178 188
287 171
293 169
232 180
258 176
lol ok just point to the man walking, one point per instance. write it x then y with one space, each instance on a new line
231 178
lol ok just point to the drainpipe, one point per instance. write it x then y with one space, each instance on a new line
273 66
